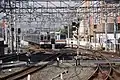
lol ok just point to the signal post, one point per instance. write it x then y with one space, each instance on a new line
75 27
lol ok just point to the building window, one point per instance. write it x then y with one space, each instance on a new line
118 26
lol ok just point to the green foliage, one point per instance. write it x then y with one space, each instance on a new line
65 31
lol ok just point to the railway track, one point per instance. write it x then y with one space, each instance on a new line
105 53
30 70
100 73
7 58
114 75
36 47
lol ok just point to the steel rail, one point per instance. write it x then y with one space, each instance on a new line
30 70
99 73
113 74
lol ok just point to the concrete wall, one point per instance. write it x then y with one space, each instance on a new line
101 37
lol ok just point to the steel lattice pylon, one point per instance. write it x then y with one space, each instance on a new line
54 14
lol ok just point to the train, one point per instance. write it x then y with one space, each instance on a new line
49 38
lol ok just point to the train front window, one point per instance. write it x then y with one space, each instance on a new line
62 36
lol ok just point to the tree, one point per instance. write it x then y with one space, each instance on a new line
65 31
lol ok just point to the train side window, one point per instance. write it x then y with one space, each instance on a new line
41 37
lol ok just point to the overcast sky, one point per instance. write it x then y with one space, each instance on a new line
48 23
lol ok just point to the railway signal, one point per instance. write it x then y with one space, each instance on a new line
19 30
74 26
12 39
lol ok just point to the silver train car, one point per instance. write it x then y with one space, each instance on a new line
47 39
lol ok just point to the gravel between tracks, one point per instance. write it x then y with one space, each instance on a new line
52 71
10 71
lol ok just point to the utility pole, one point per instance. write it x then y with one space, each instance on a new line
115 30
5 29
68 27
78 41
16 41
89 38
75 27
11 27
106 45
